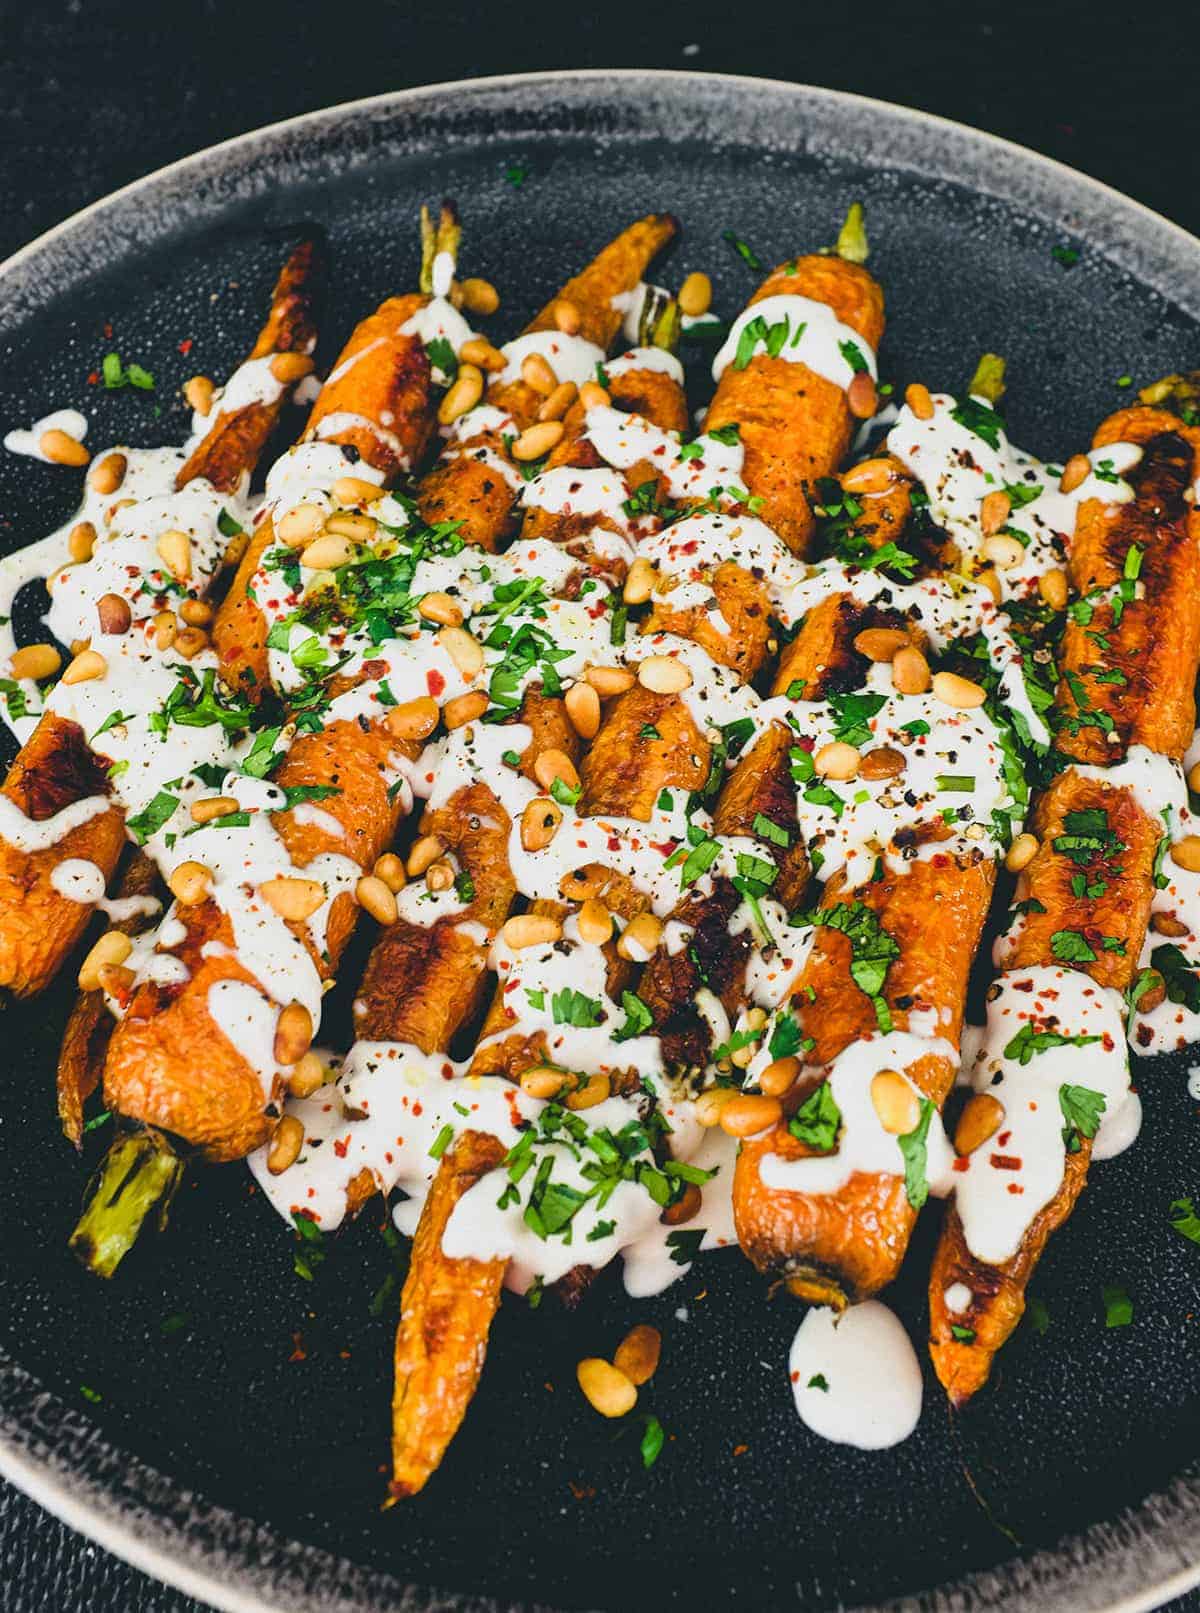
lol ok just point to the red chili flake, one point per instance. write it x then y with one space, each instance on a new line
688 548
962 1163
664 848
418 1108
795 1377
435 683
1005 1162
1023 985
1002 1139
345 1354
512 985
740 1450
93 378
806 742
613 843
342 1147
1107 1043
299 1353
1015 1187
581 1492
108 330
186 345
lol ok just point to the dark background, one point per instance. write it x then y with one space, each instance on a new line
95 93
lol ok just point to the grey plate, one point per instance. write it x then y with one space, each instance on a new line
251 1481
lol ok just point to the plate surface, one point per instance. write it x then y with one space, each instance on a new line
239 1454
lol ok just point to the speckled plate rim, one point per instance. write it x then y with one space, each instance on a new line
50 1450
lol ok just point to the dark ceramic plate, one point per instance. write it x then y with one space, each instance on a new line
240 1453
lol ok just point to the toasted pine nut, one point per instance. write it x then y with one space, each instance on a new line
1075 472
1154 993
439 876
639 582
861 396
108 475
711 1102
390 869
1003 550
293 1033
779 1077
1185 854
1167 924
567 317
356 490
90 664
663 674
593 396
559 401
213 806
464 708
989 580
609 680
413 719
958 692
190 883
871 476
293 898
583 708
174 549
442 608
479 296
530 930
1021 853
61 449
981 1118
300 525
895 1102
742 1057
198 394
910 671
112 947
466 652
605 1389
463 395
537 373
288 367
837 760
539 823
555 764
535 441
78 645
595 1089
1054 588
543 1081
35 661
640 938
919 400
595 923
114 614
165 628
423 852
376 898
638 1353
307 1075
695 295
885 761
352 524
994 509
189 641
480 352
81 541
1193 778
685 1208
581 883
747 1113
196 612
285 1145
327 553
114 978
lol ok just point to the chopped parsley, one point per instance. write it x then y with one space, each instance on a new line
1028 1042
817 1120
116 374
1185 1220
872 949
1118 1307
1082 1109
914 1148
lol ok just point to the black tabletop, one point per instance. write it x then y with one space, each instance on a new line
95 93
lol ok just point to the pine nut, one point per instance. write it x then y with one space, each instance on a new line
165 628
1075 472
196 612
108 475
91 664
189 641
113 614
61 449
640 937
583 708
895 1102
593 396
293 898
530 930
746 1113
837 760
961 693
910 671
862 397
711 1102
919 400
591 1091
423 852
288 367
356 490
81 541
885 761
685 1208
353 525
1004 551
413 719
480 352
307 1076
478 296
466 652
213 806
1054 588
663 674
605 1389
285 1145
35 661
536 441
639 583
464 708
536 373
1154 993
595 923
567 317
609 680
463 395
174 549
198 394
114 978
994 509
300 525
390 869
989 580
543 1081
190 883
375 898
439 876
742 1057
293 1033
638 1354
582 883
1167 924
1193 778
1021 853
111 948
327 553
559 401
78 645
981 1118
1185 854
695 295
779 1077
871 476
555 764
440 607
